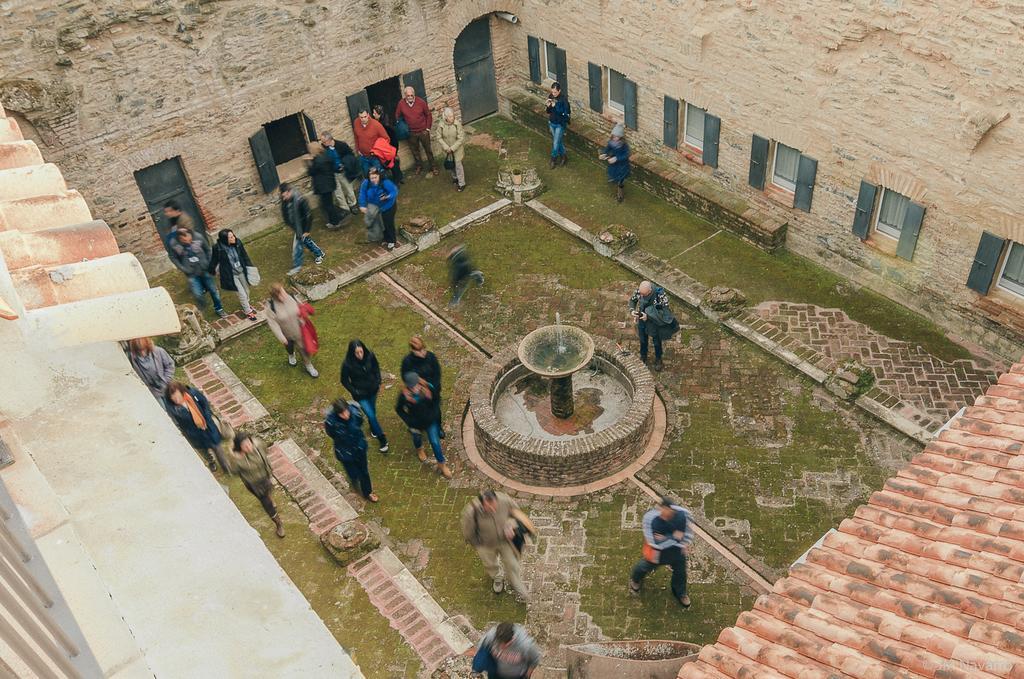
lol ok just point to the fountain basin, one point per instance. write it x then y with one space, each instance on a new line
629 659
563 457
539 351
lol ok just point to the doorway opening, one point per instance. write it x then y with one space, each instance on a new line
474 70
288 138
163 183
387 93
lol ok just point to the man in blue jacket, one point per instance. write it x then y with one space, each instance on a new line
378 201
558 119
344 424
667 537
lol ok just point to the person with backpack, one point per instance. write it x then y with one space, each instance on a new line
248 460
190 252
491 523
296 214
360 374
344 424
668 533
396 164
290 323
654 320
190 410
231 259
507 651
415 406
559 113
378 200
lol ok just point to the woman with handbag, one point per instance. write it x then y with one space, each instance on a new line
236 270
190 410
450 136
289 321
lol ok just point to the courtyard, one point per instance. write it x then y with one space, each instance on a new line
767 458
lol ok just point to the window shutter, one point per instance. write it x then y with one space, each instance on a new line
629 94
310 127
983 270
865 207
712 128
758 162
806 170
414 79
594 74
260 146
563 75
671 122
357 101
533 48
910 231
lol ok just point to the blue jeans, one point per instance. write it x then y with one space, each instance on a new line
369 406
297 247
202 284
367 162
557 136
641 331
434 436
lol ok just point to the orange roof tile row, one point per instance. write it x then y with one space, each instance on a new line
925 580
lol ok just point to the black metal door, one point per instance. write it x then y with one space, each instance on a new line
164 182
474 71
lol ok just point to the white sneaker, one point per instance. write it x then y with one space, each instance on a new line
292 272
312 371
291 360
320 259
498 586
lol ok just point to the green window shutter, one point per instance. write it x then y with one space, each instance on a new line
910 231
712 130
533 48
629 94
356 102
414 79
310 127
265 166
983 270
560 70
758 162
671 122
865 208
595 76
806 171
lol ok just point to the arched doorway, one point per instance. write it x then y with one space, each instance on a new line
474 70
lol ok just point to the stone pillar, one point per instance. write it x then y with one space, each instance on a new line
560 389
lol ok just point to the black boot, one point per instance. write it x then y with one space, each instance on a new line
564 160
383 440
619 194
553 161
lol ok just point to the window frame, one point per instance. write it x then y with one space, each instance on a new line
547 68
1012 286
878 216
618 107
775 164
686 118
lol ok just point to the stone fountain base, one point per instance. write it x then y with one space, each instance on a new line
526 188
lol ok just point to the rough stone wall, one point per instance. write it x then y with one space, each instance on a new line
920 96
112 87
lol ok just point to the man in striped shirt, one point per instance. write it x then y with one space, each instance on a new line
667 538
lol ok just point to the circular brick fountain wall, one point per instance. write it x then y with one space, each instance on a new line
570 461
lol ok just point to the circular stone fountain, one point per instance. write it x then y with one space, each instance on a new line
560 409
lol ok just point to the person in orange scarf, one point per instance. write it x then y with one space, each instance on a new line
190 410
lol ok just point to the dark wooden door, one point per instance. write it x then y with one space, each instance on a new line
474 71
164 182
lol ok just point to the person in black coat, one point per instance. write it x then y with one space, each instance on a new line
425 364
360 374
416 407
385 120
344 424
321 172
190 410
230 257
296 214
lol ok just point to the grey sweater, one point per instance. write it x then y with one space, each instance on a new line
155 369
516 659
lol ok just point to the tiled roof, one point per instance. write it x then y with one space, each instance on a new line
925 580
61 275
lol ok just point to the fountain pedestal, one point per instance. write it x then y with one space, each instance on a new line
562 405
555 352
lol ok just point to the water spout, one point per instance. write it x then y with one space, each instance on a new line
558 333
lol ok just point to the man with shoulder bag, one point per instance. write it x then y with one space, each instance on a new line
496 527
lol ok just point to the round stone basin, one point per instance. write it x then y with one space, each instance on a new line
540 350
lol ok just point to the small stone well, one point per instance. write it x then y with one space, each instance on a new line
576 458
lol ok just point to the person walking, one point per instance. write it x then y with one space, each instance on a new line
296 214
424 363
381 117
178 219
490 523
667 537
190 253
378 200
507 651
367 131
416 407
344 424
286 319
654 320
153 365
234 265
559 113
416 113
360 374
460 271
450 136
190 410
321 171
247 459
616 154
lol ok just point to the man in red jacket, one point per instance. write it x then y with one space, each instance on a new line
417 115
367 131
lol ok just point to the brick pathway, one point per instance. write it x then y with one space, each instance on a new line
231 399
937 387
321 502
235 324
